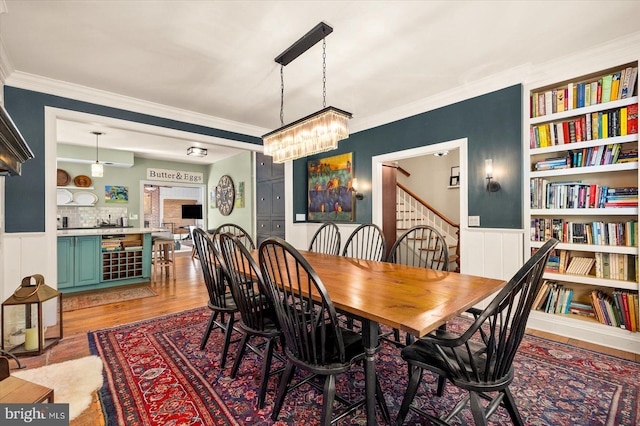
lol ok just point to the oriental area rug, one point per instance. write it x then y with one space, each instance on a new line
74 301
156 374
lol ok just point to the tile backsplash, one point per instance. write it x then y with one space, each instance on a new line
79 217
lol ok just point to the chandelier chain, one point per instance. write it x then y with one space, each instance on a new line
324 73
281 95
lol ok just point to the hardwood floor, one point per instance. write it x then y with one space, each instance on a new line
187 291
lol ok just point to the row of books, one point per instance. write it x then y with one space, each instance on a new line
588 157
553 298
610 87
597 233
619 309
597 125
578 195
616 266
111 244
561 262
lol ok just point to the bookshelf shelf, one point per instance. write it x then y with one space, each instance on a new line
611 211
608 176
593 248
609 168
591 280
581 145
585 110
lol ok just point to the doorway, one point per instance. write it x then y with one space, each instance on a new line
378 176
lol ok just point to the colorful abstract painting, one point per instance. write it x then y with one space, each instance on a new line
330 190
116 194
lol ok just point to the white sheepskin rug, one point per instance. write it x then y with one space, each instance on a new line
73 382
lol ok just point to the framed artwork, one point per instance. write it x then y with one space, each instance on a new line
240 195
330 191
116 194
454 178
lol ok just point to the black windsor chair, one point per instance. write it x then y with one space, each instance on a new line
257 316
483 363
220 300
326 239
366 242
235 230
421 246
314 341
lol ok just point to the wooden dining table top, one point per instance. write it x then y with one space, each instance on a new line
415 300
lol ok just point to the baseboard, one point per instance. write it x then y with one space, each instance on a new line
598 334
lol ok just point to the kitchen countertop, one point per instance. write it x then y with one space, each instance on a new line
68 232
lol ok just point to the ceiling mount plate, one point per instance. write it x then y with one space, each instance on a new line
316 34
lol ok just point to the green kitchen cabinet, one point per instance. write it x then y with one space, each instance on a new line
78 261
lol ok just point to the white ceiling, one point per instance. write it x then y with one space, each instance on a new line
217 57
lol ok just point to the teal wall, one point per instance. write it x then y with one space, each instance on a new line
240 169
24 195
492 123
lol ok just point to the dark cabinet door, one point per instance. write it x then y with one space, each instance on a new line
277 207
270 195
264 197
263 167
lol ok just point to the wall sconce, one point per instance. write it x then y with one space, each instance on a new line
354 186
488 169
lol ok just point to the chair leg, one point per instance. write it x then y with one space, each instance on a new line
410 394
285 378
382 403
266 367
227 340
512 409
212 318
328 397
477 409
441 383
396 334
239 355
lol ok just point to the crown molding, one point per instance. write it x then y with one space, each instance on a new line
609 54
41 84
571 65
466 91
6 67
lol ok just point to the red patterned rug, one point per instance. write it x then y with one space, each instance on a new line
155 374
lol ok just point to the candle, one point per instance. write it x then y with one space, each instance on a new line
31 339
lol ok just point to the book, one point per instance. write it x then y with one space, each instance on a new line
615 85
560 100
632 119
606 88
624 83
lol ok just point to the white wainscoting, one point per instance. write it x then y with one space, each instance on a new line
27 254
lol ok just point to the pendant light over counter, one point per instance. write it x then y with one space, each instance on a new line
97 169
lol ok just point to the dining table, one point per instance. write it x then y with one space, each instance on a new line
411 299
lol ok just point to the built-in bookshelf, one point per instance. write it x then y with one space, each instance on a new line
582 177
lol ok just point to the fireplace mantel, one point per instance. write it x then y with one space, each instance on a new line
13 149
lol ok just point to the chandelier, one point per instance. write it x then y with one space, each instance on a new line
315 133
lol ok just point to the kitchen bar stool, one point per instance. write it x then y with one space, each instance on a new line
163 257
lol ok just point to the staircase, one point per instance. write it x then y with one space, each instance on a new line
412 211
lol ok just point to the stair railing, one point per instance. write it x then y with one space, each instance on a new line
411 210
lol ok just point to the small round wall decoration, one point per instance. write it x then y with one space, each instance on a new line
226 195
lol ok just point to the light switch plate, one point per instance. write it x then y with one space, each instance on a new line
474 220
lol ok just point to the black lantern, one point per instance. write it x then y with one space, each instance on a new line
31 318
